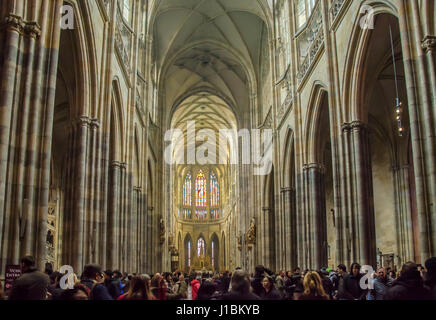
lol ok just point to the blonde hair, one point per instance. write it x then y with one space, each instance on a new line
313 285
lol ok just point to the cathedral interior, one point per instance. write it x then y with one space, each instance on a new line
97 95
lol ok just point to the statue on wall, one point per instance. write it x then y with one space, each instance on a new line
170 239
251 233
162 231
240 242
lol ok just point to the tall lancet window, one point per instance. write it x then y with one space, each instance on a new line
200 190
189 253
214 191
201 252
187 190
213 254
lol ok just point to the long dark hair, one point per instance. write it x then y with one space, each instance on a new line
139 289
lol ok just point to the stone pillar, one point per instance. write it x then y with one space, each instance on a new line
113 216
317 229
364 203
289 225
404 225
266 236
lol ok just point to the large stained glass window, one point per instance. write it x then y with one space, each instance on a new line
187 190
200 190
201 248
214 191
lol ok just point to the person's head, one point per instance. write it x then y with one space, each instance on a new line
282 274
289 274
240 282
409 271
297 270
181 277
267 283
381 273
355 269
93 272
313 284
342 269
430 265
55 277
48 270
27 263
139 289
206 290
108 275
259 270
79 292
117 274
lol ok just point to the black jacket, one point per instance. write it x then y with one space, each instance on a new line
352 289
32 285
98 290
256 284
273 294
232 295
407 289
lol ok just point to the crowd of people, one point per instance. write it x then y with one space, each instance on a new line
412 282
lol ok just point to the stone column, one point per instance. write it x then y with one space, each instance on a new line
364 206
113 215
317 229
289 225
404 225
266 240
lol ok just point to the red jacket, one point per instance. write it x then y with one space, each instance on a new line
195 285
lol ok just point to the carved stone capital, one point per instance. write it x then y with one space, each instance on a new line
346 127
116 164
95 123
14 22
314 166
429 43
83 121
357 125
32 29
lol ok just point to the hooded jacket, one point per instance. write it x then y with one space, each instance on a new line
195 285
408 289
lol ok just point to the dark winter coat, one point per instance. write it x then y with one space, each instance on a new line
32 285
381 286
351 288
273 294
408 289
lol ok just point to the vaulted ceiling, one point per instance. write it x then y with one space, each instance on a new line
212 44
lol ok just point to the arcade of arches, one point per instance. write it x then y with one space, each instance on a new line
85 113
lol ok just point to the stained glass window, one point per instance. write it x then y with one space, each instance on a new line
189 253
214 191
187 214
213 254
200 248
200 190
187 190
201 214
214 214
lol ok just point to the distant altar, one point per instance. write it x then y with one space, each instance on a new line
202 263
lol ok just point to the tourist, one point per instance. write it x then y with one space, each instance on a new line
240 290
79 292
297 283
113 283
269 290
409 285
93 279
430 277
326 282
32 284
256 282
138 289
313 288
351 289
207 291
159 287
180 287
280 283
195 286
381 284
